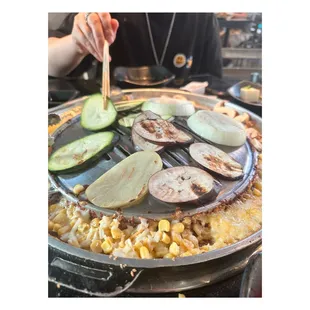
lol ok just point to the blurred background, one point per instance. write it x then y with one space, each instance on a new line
241 35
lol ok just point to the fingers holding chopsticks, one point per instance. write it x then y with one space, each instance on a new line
90 30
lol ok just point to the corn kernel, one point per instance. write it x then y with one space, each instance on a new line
63 230
178 228
169 255
186 254
95 246
144 253
174 249
258 185
78 188
83 227
165 238
55 207
50 225
176 237
188 245
60 218
95 222
256 192
181 296
187 221
138 245
164 225
85 244
106 247
116 233
56 227
72 222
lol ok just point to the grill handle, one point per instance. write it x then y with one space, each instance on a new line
105 282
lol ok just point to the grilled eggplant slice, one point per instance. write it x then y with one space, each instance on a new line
162 132
182 184
125 184
139 142
215 160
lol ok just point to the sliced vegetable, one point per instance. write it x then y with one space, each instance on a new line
127 105
127 121
170 106
139 142
215 160
142 144
161 132
243 118
94 117
167 117
226 110
217 128
126 183
146 115
182 184
80 151
184 137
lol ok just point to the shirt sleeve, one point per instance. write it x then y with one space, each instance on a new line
211 61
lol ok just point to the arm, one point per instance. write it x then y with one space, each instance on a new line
87 37
63 56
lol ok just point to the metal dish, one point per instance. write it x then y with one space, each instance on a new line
147 76
251 285
234 91
101 275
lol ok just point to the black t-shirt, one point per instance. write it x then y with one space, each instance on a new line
194 46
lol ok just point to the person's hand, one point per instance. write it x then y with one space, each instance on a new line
89 35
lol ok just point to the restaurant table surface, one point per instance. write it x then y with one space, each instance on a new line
227 288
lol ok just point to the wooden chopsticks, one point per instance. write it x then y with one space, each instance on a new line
105 75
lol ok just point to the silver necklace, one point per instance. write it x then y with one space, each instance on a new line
152 41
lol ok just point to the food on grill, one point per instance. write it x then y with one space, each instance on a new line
255 138
243 118
125 184
182 184
216 160
227 111
169 106
65 116
128 120
249 94
217 128
139 142
161 132
79 152
94 117
184 236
